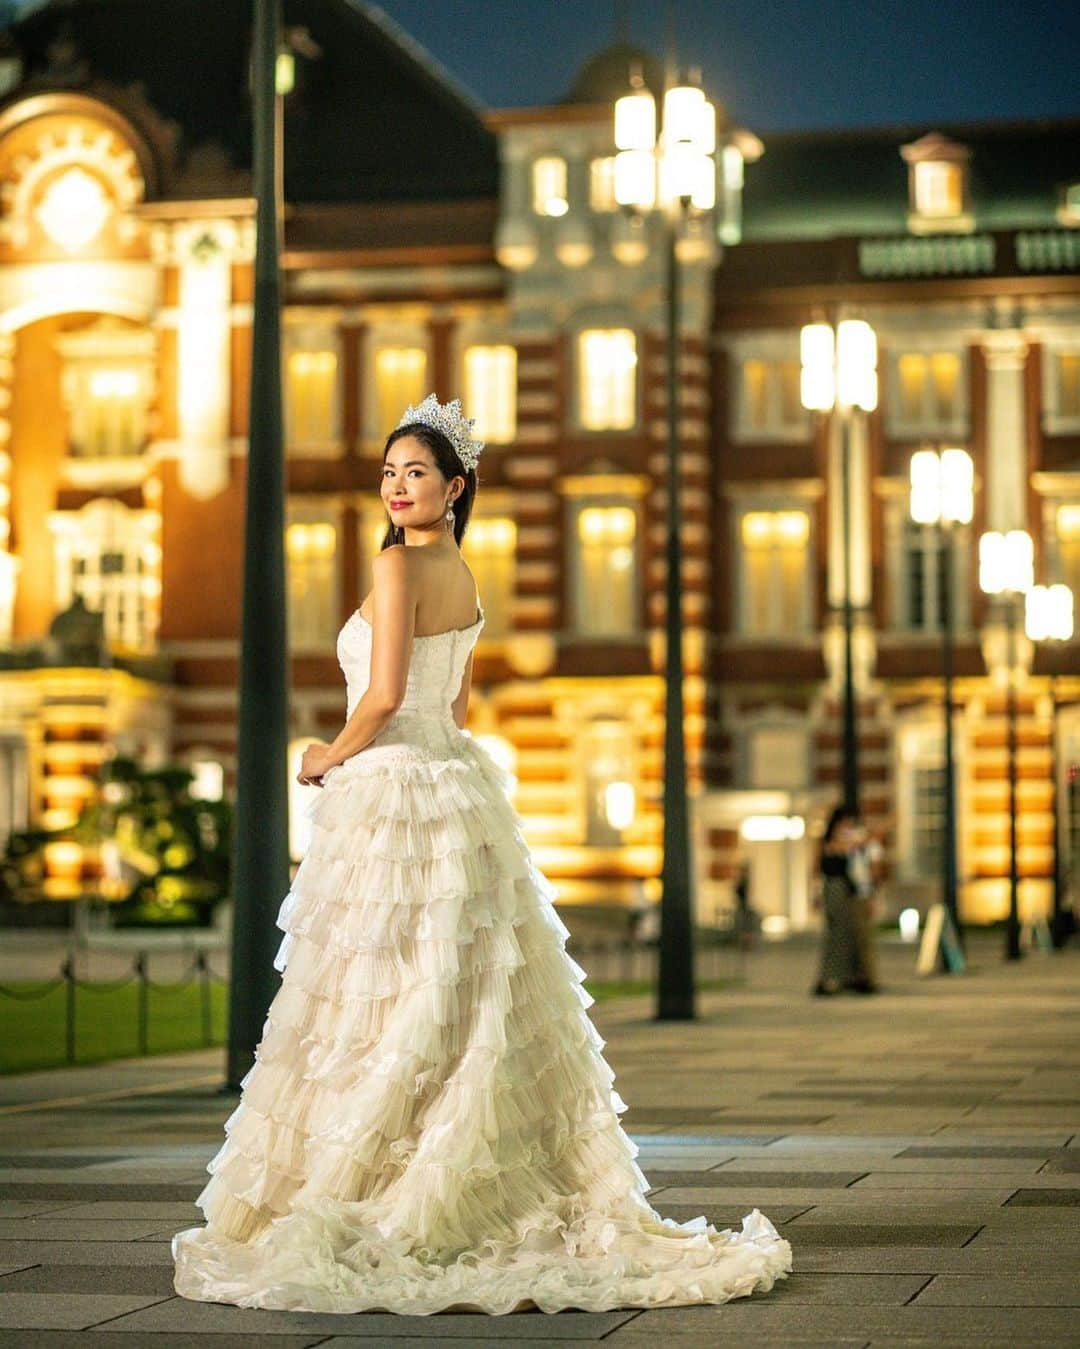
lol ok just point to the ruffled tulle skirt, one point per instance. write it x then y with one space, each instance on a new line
430 1122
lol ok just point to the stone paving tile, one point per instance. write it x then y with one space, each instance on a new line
28 1208
109 1339
852 1200
198 1318
107 1253
32 1311
963 1180
950 1290
1057 1198
975 1150
92 1278
85 1229
85 1193
808 1231
975 1259
130 1208
768 1321
848 1290
790 1180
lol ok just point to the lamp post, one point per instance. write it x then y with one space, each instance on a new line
671 175
260 846
942 496
1006 570
1048 617
839 370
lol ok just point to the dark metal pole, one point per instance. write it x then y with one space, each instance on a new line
1059 932
260 846
675 994
948 868
1012 928
851 736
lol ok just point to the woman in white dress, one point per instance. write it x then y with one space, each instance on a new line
430 1123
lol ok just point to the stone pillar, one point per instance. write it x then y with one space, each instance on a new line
1005 352
203 253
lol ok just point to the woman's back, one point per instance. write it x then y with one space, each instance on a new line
445 587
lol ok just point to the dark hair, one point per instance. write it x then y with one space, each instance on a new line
448 464
839 815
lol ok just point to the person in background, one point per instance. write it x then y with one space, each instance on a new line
845 872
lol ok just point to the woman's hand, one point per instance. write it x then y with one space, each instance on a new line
317 761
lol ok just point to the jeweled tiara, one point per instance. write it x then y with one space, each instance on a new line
447 418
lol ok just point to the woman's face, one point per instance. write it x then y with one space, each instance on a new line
413 490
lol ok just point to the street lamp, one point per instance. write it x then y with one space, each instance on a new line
672 173
839 370
1006 570
1048 617
942 495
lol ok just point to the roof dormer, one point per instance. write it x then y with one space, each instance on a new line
937 185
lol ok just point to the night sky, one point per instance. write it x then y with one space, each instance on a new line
799 64
795 65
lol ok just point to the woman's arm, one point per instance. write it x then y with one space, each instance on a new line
460 705
394 621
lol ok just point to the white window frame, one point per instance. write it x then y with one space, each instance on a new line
315 338
578 382
897 526
380 337
772 347
476 342
1054 421
14 786
497 505
751 505
575 505
131 603
916 740
541 206
318 510
899 427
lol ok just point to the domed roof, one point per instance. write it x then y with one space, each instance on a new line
606 75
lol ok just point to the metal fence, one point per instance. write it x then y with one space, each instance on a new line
604 962
199 971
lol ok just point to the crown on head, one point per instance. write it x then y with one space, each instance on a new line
447 418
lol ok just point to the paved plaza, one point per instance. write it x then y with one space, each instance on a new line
920 1150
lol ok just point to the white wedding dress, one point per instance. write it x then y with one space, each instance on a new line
430 1122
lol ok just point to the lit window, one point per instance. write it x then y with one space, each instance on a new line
921 802
602 184
607 379
371 530
549 186
1068 545
310 552
774 575
768 404
605 570
489 548
1061 389
109 555
917 573
1068 381
926 393
939 188
311 397
491 392
400 382
610 780
937 185
107 411
14 787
